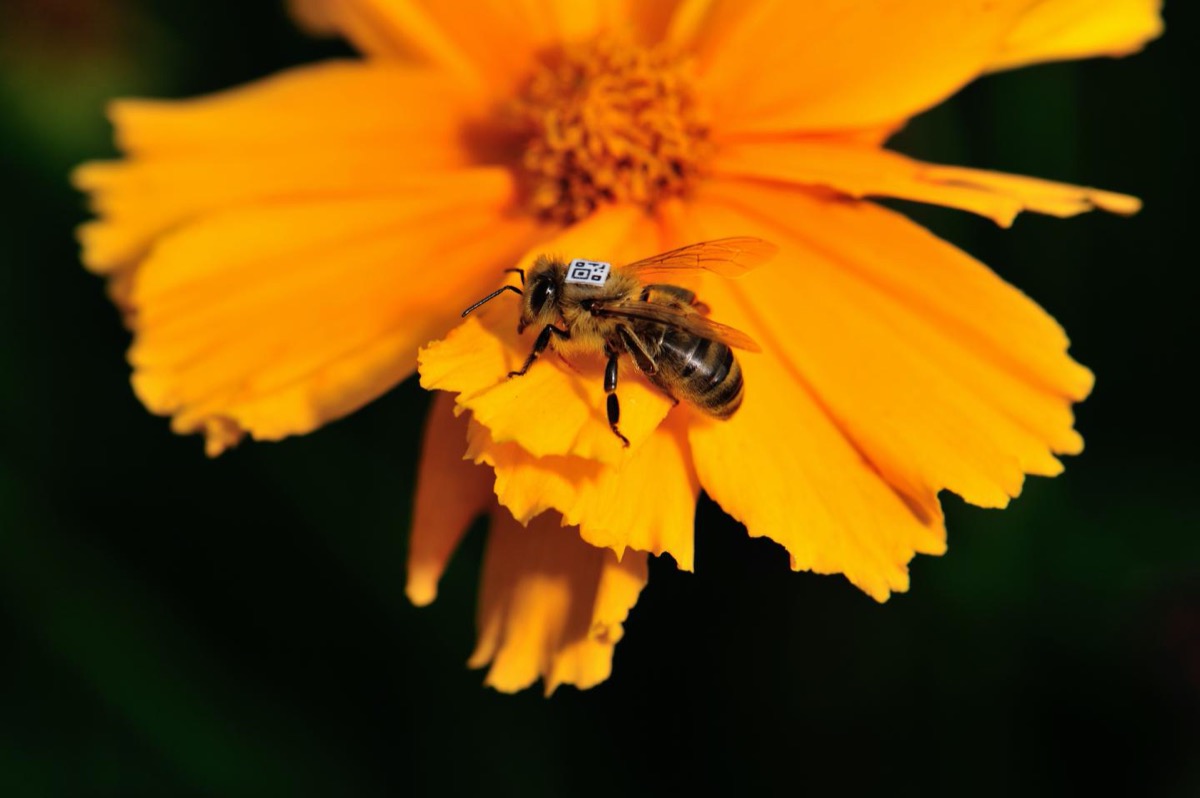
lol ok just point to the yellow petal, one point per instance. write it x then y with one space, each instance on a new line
328 131
786 471
647 504
824 66
1056 30
551 606
451 493
558 407
862 170
941 374
782 467
279 318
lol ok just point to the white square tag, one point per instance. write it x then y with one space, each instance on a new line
588 272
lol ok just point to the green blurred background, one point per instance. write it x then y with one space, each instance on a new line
175 625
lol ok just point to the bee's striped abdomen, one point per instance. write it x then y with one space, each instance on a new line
702 371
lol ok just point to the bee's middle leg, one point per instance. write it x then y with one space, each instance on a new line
610 388
539 346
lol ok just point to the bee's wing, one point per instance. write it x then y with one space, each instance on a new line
728 257
691 322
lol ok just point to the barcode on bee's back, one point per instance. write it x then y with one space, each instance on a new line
588 272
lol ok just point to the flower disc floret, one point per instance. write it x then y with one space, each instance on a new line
608 122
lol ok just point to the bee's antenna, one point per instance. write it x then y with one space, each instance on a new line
492 296
521 272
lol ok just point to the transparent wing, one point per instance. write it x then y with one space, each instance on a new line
688 321
728 257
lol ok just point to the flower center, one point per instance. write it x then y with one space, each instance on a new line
609 121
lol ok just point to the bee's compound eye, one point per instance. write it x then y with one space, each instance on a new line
542 293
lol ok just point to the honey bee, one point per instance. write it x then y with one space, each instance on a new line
588 306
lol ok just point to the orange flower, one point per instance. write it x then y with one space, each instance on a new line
282 250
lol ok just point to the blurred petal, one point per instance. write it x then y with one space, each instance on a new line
404 30
494 42
861 171
1058 30
331 131
867 63
651 21
451 493
778 65
318 17
278 318
551 606
939 372
647 504
558 408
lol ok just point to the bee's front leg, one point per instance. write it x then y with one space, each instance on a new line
610 388
539 346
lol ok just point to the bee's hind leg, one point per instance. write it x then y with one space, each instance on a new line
610 388
539 346
643 360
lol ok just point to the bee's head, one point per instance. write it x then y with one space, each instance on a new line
543 288
540 296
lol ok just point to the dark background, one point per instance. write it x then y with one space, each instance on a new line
173 625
